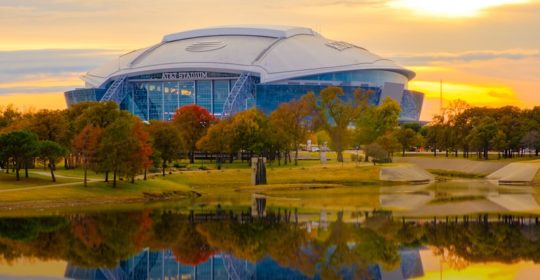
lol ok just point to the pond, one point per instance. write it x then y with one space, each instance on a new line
449 230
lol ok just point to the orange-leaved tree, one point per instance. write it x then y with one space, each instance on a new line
85 145
192 122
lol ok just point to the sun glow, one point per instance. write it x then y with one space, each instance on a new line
455 8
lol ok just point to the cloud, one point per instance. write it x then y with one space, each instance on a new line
39 71
420 59
354 3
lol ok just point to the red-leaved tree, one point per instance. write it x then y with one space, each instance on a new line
192 122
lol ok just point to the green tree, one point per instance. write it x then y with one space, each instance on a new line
337 115
249 131
406 138
166 142
52 152
373 122
482 135
120 149
20 147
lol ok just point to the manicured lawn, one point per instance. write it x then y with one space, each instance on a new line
8 181
307 186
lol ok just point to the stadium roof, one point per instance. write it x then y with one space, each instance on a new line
273 52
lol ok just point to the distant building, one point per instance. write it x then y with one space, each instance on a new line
229 69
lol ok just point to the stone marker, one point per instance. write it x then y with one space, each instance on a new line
258 171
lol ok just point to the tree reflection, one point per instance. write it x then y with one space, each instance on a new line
343 250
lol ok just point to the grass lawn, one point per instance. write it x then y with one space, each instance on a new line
8 181
307 185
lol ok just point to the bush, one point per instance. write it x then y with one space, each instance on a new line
179 165
355 157
377 152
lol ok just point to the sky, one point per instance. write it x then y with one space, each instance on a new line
486 52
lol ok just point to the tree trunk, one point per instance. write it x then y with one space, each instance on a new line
114 179
296 156
25 169
85 174
145 171
163 168
192 156
106 176
17 168
403 152
51 166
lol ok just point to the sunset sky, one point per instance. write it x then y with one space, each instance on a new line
486 52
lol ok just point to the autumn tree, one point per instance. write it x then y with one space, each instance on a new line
293 121
51 152
86 145
217 140
140 156
192 122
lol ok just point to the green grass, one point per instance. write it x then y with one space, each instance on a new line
8 181
309 185
451 173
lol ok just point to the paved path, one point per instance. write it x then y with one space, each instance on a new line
517 172
453 164
405 173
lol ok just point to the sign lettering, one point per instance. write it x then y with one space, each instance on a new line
184 76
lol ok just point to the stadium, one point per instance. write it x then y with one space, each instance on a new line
233 68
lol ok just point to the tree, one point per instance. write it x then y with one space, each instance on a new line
52 152
217 139
373 122
482 135
292 122
249 130
531 141
49 125
389 143
121 150
8 116
192 122
166 142
86 145
20 147
337 115
406 138
140 156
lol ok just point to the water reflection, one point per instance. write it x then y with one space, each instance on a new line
166 244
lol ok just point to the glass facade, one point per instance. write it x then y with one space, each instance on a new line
157 96
371 77
270 96
82 95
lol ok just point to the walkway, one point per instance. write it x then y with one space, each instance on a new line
454 164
